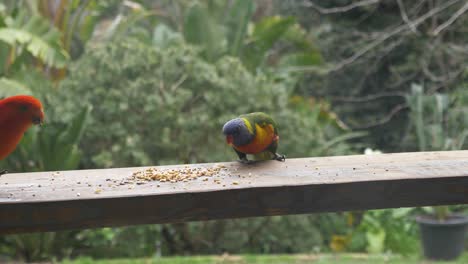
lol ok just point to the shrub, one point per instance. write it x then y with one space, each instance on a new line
161 106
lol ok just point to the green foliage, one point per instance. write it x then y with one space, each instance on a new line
237 25
38 246
438 120
163 36
162 79
372 69
389 230
201 29
221 29
165 104
12 87
254 235
54 146
273 259
49 148
175 104
37 37
59 148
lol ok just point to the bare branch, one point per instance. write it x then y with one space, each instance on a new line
397 109
394 32
405 17
341 9
451 20
367 98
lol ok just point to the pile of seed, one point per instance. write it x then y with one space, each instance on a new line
184 174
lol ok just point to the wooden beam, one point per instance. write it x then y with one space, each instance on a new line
49 201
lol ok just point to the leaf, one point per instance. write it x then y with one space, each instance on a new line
301 59
237 23
40 39
416 104
10 87
201 29
124 26
342 138
59 148
376 241
271 29
265 34
298 37
164 36
76 127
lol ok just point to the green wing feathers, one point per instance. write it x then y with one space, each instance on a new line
261 119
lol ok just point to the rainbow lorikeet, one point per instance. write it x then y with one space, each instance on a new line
254 133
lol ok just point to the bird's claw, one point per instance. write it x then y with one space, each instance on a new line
3 172
279 157
246 161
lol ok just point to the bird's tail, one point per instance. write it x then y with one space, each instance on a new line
266 155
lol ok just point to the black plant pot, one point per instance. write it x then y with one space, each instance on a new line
443 240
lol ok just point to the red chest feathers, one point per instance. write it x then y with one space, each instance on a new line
10 135
265 135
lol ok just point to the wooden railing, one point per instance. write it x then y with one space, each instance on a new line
49 201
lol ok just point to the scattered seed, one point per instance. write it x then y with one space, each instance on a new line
184 174
98 191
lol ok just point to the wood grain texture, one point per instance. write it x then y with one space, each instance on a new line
49 201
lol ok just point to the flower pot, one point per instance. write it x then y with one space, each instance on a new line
443 240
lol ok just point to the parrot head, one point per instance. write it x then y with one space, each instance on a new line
237 133
27 109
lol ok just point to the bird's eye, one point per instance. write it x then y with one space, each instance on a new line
24 108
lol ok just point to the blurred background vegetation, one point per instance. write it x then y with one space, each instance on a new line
132 83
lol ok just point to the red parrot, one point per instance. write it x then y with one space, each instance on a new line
17 114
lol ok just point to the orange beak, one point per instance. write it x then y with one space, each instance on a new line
229 139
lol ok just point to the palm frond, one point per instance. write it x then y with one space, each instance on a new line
38 38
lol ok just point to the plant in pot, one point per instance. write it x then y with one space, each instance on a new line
439 123
442 232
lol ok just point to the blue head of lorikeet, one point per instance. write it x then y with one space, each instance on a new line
254 133
237 133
